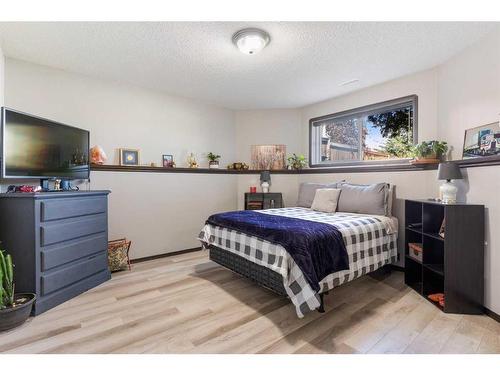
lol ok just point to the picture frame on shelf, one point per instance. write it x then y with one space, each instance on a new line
167 161
268 157
129 156
482 141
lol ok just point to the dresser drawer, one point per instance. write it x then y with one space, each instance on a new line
54 232
71 251
54 209
73 273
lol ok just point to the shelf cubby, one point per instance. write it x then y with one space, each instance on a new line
433 250
432 218
414 215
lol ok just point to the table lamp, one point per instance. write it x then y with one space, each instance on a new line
449 171
265 180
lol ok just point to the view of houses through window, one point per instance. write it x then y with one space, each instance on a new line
377 132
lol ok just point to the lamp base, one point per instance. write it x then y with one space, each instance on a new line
448 193
265 187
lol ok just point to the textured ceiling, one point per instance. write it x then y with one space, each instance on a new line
304 63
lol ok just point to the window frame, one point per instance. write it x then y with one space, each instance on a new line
367 108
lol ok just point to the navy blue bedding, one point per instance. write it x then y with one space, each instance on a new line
317 248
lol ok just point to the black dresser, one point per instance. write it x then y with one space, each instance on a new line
451 260
58 241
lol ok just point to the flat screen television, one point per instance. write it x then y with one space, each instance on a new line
34 147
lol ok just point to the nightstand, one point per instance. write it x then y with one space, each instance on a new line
263 201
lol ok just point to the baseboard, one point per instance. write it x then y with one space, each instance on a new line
492 314
165 255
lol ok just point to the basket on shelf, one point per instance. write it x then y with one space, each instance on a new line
415 251
118 258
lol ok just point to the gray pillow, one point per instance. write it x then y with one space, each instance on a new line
364 199
390 199
307 191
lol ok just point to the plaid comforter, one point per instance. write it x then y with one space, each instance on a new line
370 242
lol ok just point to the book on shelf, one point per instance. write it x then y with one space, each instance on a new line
255 205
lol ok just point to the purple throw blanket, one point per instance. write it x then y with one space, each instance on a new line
317 248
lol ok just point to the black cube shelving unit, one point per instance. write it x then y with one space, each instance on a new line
453 264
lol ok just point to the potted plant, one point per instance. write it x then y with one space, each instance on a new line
213 160
429 152
296 162
14 308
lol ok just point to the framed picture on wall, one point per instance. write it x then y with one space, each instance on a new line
167 161
268 156
482 141
129 156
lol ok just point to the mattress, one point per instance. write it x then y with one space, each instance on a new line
371 242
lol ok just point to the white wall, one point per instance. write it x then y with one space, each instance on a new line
163 212
469 96
120 115
423 84
158 212
291 126
2 76
272 126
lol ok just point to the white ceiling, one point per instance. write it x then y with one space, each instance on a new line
304 63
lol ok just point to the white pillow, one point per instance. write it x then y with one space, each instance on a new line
325 200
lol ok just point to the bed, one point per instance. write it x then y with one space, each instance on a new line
370 242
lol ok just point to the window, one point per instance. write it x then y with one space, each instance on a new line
383 132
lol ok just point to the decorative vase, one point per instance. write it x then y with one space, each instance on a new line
213 164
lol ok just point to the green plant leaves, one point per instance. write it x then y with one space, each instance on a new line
433 149
297 161
6 280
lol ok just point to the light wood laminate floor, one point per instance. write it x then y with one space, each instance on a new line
188 304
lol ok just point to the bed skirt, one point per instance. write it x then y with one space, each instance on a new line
259 274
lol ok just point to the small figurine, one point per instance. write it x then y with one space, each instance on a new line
97 155
238 166
191 160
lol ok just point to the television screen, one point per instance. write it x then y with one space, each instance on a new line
38 148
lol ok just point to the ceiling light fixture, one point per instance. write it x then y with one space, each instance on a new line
251 41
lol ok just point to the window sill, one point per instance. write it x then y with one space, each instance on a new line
369 167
